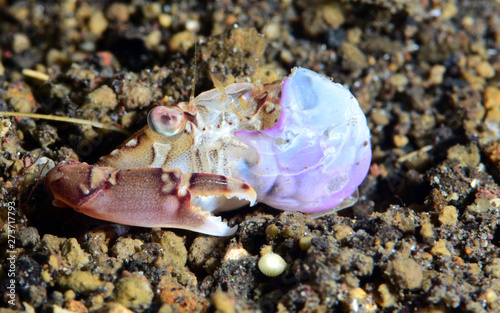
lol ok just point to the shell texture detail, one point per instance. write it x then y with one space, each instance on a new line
272 264
319 151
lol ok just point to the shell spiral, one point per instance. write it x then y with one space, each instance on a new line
319 151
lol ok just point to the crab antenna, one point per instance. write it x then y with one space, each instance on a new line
259 52
67 120
193 81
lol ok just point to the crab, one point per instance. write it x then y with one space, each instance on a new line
298 144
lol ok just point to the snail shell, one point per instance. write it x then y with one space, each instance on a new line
272 264
319 151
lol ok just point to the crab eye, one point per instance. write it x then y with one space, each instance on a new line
166 121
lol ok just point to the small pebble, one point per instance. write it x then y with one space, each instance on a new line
98 23
181 41
468 21
82 282
426 230
29 237
342 232
400 81
272 231
22 105
20 13
134 292
69 295
5 125
165 20
125 247
436 75
73 254
87 46
492 117
380 117
386 297
354 35
480 205
286 56
474 269
235 254
118 12
230 19
333 16
272 31
406 273
114 307
484 69
491 97
477 82
192 25
21 43
176 296
52 243
468 155
76 306
400 140
491 296
448 216
55 56
449 10
20 97
103 98
153 39
354 56
493 268
128 119
151 10
223 302
173 247
305 242
137 96
440 250
96 301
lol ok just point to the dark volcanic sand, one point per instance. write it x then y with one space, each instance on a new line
424 236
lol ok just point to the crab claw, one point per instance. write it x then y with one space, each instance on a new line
146 197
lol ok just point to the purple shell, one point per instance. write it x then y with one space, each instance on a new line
319 151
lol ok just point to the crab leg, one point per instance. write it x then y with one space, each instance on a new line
146 197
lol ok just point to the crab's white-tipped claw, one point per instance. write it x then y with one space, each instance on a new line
146 197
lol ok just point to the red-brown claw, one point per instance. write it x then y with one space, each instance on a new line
146 197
